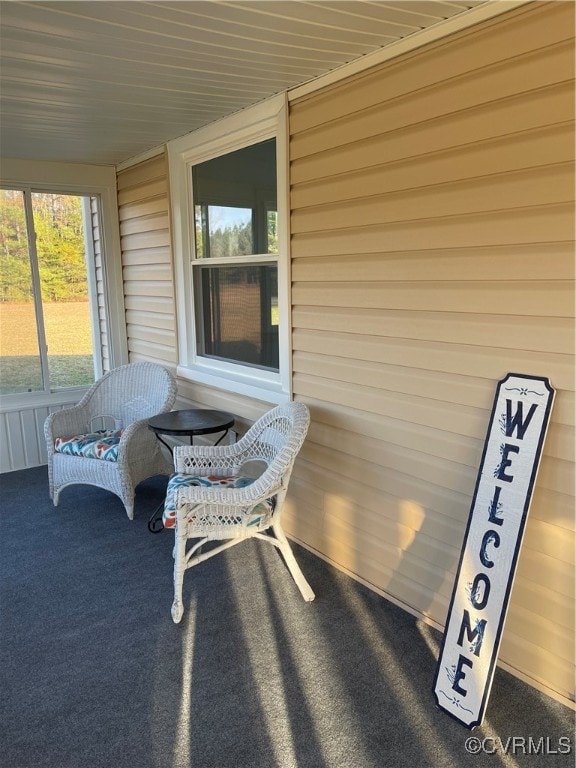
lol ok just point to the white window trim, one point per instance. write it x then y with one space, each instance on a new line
266 120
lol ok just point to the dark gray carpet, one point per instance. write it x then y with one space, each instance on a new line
94 674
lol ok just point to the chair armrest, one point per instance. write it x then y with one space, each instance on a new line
132 430
136 440
69 421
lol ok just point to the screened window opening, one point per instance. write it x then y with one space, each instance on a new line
46 291
235 262
240 319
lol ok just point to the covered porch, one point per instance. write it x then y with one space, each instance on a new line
418 245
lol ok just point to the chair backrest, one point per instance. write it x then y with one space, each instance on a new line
132 392
276 437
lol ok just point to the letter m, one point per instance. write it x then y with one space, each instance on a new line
516 421
475 636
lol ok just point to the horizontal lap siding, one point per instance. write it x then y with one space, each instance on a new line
100 287
246 410
144 215
432 221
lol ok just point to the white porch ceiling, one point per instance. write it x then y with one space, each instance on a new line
101 82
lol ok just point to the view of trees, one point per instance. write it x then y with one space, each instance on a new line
59 243
229 231
62 324
234 240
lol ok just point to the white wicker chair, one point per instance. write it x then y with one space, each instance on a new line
235 513
126 397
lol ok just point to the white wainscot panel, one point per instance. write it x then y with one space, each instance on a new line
22 442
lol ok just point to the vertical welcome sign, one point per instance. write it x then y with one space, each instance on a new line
491 546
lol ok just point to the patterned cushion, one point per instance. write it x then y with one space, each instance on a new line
236 481
96 445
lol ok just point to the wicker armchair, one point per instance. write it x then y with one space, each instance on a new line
104 440
235 492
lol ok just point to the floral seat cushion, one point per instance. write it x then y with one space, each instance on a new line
102 444
176 481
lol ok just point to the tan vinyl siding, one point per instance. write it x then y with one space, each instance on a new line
245 409
144 214
100 286
432 222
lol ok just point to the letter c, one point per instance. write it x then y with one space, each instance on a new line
489 537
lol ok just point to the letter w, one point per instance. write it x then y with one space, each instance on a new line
515 422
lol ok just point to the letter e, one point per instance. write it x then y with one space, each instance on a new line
506 462
460 674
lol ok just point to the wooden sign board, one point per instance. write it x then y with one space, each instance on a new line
492 541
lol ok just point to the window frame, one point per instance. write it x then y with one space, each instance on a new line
266 120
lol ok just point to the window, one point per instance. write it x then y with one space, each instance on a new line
236 305
230 237
47 292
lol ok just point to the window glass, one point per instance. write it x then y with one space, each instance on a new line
235 217
272 230
58 278
240 319
235 202
223 231
20 365
61 247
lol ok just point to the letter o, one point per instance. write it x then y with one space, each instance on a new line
479 604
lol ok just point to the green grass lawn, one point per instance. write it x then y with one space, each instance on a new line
69 339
